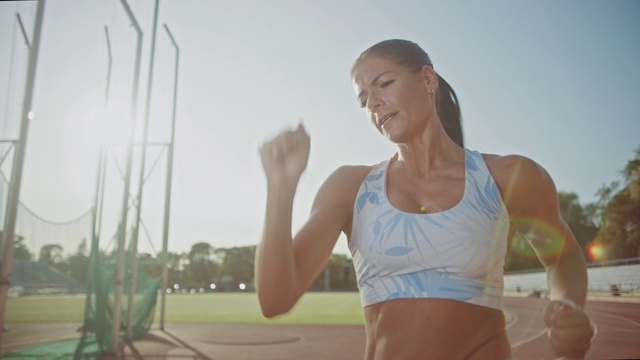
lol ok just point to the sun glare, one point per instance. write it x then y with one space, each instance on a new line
596 251
547 239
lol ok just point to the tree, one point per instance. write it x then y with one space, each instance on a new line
619 213
237 266
520 254
176 263
579 218
202 269
20 250
51 254
150 265
79 263
340 273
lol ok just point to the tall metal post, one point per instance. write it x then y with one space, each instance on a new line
327 279
23 31
106 92
14 141
17 166
136 230
122 228
96 220
167 196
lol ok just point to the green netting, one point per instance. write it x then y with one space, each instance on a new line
65 349
99 307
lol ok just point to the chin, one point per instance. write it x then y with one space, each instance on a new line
395 137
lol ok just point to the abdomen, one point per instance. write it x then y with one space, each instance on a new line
434 329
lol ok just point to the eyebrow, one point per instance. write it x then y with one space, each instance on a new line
374 81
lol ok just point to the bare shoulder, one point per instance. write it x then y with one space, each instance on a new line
351 173
504 167
525 185
335 198
343 184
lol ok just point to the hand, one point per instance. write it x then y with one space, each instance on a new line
570 330
285 157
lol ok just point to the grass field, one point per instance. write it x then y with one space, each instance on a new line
315 308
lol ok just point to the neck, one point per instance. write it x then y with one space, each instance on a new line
428 151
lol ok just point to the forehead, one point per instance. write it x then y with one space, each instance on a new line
370 68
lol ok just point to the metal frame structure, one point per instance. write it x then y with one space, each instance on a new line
96 220
122 228
17 166
127 200
143 160
167 198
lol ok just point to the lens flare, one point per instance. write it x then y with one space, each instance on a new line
596 251
546 239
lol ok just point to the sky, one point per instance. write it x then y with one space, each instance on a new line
557 82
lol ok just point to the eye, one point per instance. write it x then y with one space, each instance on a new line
363 104
386 83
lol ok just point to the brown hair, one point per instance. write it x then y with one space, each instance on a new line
410 55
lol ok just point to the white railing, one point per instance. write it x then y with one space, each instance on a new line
616 280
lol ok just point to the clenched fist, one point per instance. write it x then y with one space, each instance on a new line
570 330
285 157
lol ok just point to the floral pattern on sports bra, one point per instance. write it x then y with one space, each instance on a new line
455 254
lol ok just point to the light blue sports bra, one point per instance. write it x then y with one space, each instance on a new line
455 254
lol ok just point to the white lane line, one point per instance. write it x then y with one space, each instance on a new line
513 319
535 312
526 340
544 331
621 318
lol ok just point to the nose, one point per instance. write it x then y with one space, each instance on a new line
374 102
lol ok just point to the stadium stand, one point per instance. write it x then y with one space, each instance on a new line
36 278
614 279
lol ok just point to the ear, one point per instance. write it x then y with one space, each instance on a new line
430 77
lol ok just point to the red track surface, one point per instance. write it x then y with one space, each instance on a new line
617 337
617 329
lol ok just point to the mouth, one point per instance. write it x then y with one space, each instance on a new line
386 119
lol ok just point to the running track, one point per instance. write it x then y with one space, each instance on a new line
617 329
617 337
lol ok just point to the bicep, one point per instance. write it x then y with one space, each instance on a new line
313 245
330 213
534 211
550 238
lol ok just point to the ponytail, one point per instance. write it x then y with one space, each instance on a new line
448 109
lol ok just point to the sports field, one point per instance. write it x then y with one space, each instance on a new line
315 308
230 326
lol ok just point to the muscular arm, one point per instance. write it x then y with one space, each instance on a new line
285 266
532 202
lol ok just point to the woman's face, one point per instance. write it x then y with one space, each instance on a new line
398 101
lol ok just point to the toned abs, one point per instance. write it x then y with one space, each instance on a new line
434 329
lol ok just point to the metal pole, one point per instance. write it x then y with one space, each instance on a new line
327 286
95 215
122 231
102 161
16 171
24 33
167 196
106 92
96 221
136 230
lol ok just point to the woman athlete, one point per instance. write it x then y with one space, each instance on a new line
427 228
